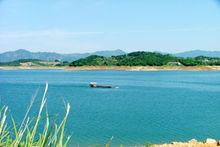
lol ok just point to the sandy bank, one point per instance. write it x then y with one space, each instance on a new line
125 68
148 68
192 143
28 67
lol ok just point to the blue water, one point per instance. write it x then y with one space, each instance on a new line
148 107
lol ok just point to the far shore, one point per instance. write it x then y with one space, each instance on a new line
122 68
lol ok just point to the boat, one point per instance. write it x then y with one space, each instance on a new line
94 85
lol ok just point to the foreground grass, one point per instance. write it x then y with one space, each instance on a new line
28 133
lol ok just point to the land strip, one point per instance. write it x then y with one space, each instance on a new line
123 68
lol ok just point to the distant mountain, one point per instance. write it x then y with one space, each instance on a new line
109 53
25 54
196 53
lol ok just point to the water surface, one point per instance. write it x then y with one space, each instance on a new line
153 107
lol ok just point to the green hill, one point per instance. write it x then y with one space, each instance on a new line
144 59
131 59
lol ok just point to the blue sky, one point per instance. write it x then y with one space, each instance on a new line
69 26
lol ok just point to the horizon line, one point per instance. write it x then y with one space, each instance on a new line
110 50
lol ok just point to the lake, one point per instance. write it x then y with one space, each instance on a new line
148 107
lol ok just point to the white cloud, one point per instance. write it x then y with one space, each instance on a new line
47 33
70 41
49 40
63 34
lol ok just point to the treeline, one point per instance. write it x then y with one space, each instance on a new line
35 62
131 59
18 62
144 59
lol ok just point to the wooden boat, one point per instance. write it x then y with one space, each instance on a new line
94 85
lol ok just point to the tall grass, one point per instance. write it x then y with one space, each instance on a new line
28 133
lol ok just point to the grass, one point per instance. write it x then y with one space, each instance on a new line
28 133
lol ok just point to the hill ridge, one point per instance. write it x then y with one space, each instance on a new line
48 56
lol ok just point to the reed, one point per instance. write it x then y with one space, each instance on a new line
28 133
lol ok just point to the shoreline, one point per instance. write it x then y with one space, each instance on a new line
209 142
119 68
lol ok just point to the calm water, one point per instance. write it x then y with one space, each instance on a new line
151 107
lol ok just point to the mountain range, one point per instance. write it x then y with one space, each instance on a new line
196 53
51 56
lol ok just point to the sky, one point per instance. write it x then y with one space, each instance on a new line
78 26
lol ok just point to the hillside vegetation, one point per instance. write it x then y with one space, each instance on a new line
34 62
144 59
131 59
